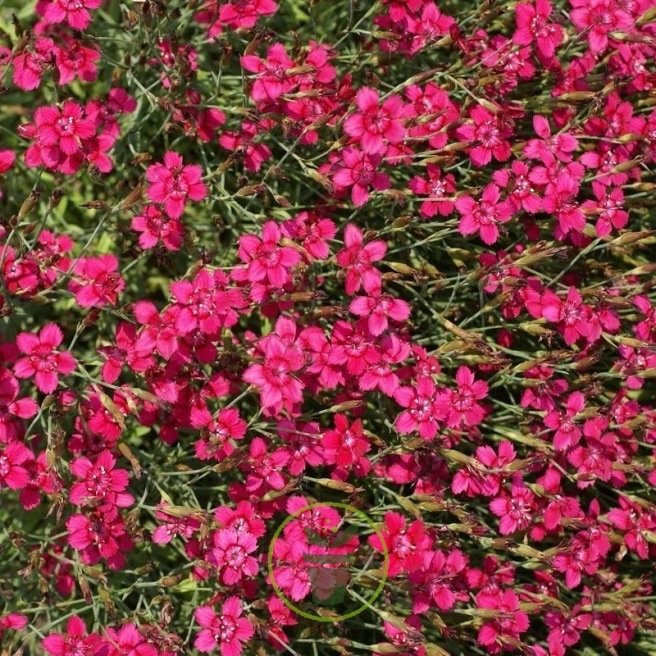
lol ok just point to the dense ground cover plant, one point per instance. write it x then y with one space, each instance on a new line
259 255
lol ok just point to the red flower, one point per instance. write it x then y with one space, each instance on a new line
42 361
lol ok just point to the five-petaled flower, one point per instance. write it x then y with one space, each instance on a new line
41 360
173 183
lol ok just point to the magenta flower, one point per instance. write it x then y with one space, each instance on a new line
12 473
547 149
74 12
267 260
155 228
374 126
243 14
173 183
358 171
274 378
128 641
58 137
232 555
533 26
377 308
272 79
100 481
75 642
42 361
486 136
598 18
226 630
438 188
357 258
98 282
12 408
483 216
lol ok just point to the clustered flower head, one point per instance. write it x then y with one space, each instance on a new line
304 304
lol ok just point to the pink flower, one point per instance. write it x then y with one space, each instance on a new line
74 12
485 215
378 308
510 622
274 378
231 555
172 184
12 408
516 510
7 159
358 171
547 149
155 228
128 641
533 26
41 358
74 60
357 259
462 406
267 260
609 207
423 412
438 188
243 14
218 434
30 64
272 78
405 542
226 630
12 473
98 282
59 135
100 481
486 135
521 191
346 445
374 126
75 642
12 622
599 18
100 534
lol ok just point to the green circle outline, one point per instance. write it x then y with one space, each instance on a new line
368 603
